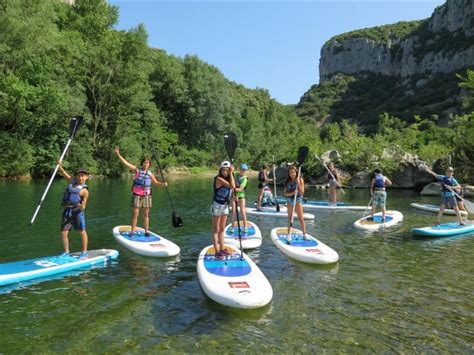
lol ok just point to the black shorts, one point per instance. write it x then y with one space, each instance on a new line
73 218
261 185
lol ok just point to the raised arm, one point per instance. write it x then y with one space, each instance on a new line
63 172
122 159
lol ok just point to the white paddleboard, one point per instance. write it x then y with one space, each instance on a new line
233 282
308 251
368 223
273 213
325 205
25 270
435 209
251 240
154 245
444 229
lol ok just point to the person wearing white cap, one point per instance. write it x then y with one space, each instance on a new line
224 184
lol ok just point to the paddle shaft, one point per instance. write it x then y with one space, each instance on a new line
51 180
275 185
370 201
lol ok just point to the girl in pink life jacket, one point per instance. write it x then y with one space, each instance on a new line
141 190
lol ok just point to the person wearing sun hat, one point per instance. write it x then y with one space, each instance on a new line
74 203
449 188
241 181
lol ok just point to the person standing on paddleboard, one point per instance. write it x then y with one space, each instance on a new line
224 185
379 193
294 185
141 191
449 186
334 182
240 185
263 181
74 203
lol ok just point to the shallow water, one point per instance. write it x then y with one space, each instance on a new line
389 292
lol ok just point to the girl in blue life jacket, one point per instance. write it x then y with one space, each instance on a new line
141 191
294 185
379 193
74 203
449 188
224 185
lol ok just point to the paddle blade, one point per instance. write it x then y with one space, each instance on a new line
469 206
230 142
76 121
176 220
277 206
302 154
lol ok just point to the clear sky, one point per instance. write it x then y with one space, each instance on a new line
267 44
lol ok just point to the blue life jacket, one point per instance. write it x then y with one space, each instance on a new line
222 194
379 181
72 197
447 182
291 186
142 183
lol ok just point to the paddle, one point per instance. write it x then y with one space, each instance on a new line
275 185
329 171
302 154
73 126
368 205
468 204
175 219
230 143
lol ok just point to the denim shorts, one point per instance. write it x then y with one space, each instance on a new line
219 210
449 201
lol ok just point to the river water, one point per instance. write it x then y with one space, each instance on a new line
390 292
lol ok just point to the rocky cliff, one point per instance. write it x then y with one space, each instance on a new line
441 44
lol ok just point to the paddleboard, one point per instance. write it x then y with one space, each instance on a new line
25 270
252 240
308 251
154 245
273 213
233 282
435 209
444 229
375 223
326 205
272 208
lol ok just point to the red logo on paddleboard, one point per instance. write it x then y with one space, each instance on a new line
156 245
317 251
242 284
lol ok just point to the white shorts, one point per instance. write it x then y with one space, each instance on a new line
219 210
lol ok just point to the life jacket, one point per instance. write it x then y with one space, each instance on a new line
379 181
222 194
72 197
447 182
261 176
240 180
142 183
291 186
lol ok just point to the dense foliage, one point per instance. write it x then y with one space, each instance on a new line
396 31
60 60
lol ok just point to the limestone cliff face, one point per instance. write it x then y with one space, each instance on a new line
441 44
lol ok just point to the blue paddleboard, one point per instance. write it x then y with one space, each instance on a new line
444 230
25 270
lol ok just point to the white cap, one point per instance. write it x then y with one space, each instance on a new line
225 164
